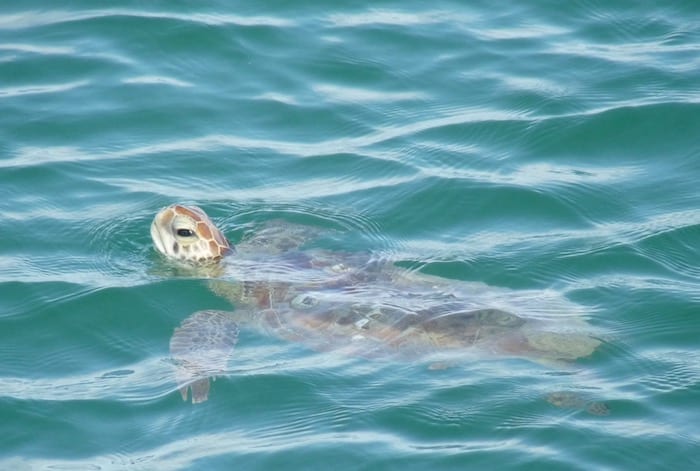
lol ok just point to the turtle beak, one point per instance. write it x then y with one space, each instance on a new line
157 237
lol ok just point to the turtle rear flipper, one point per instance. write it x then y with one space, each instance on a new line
201 348
575 400
200 390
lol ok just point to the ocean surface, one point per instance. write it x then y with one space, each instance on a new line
537 146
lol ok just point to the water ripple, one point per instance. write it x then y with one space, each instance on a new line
672 371
145 381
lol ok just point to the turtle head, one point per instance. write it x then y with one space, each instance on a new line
187 234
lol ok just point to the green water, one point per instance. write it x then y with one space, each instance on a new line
527 145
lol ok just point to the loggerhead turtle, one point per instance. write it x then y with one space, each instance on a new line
354 303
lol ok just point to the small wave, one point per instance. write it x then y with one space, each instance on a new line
54 17
41 89
341 94
156 80
607 235
141 382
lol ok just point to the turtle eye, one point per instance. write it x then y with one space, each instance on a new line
185 232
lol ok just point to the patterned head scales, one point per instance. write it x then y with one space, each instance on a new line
187 234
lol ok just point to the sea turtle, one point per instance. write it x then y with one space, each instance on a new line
354 303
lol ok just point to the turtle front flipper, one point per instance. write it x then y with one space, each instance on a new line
200 349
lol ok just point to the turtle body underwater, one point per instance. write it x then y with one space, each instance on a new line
354 303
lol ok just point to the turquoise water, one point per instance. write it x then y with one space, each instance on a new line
527 145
